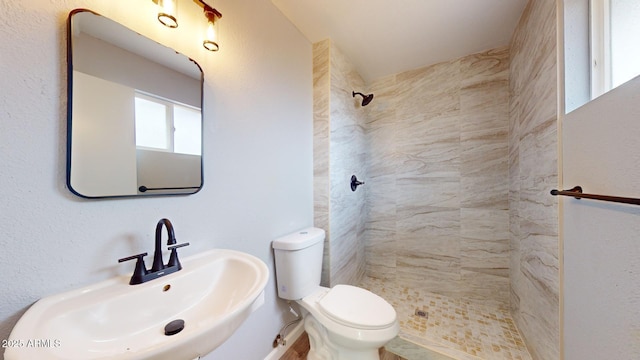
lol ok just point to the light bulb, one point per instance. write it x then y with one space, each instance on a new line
211 40
168 13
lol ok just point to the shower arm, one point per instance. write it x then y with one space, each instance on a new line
366 99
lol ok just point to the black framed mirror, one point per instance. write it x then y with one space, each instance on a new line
134 122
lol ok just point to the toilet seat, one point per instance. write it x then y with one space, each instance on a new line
357 308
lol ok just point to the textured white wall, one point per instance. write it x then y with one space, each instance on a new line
257 151
104 145
601 245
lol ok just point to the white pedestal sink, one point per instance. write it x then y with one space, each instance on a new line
213 294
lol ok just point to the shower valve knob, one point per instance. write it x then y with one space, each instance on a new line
355 183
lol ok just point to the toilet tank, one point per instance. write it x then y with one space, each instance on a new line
298 262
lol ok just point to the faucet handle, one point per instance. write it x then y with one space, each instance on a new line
139 256
140 271
173 247
173 258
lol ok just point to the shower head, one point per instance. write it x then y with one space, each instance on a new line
366 99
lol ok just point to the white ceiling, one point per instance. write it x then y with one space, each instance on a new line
109 31
383 37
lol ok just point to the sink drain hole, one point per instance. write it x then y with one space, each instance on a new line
174 327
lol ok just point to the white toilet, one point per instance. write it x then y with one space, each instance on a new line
344 322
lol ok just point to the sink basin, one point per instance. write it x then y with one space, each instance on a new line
213 294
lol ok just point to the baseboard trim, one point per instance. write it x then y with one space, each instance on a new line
290 338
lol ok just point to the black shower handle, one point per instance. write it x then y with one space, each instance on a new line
355 183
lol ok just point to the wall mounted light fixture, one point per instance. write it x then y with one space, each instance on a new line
168 16
211 39
168 13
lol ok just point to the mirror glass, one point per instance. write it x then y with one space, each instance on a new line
134 113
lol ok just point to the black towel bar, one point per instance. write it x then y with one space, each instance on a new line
577 193
145 189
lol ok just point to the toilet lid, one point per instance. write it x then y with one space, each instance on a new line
356 307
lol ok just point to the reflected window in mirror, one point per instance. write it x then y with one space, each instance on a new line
152 124
163 125
187 133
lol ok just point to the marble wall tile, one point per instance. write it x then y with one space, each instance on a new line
534 263
380 144
485 153
537 264
321 112
482 287
426 130
382 111
537 326
487 97
339 152
347 257
439 138
489 118
428 248
380 226
427 261
380 253
493 193
485 241
416 193
440 159
347 151
490 65
428 220
381 203
484 130
433 89
428 146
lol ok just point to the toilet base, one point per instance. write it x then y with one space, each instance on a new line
322 348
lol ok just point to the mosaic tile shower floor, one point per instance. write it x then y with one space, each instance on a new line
460 329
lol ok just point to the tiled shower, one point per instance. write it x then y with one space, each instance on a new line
438 178
456 158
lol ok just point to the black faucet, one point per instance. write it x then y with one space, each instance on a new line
158 269
157 254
